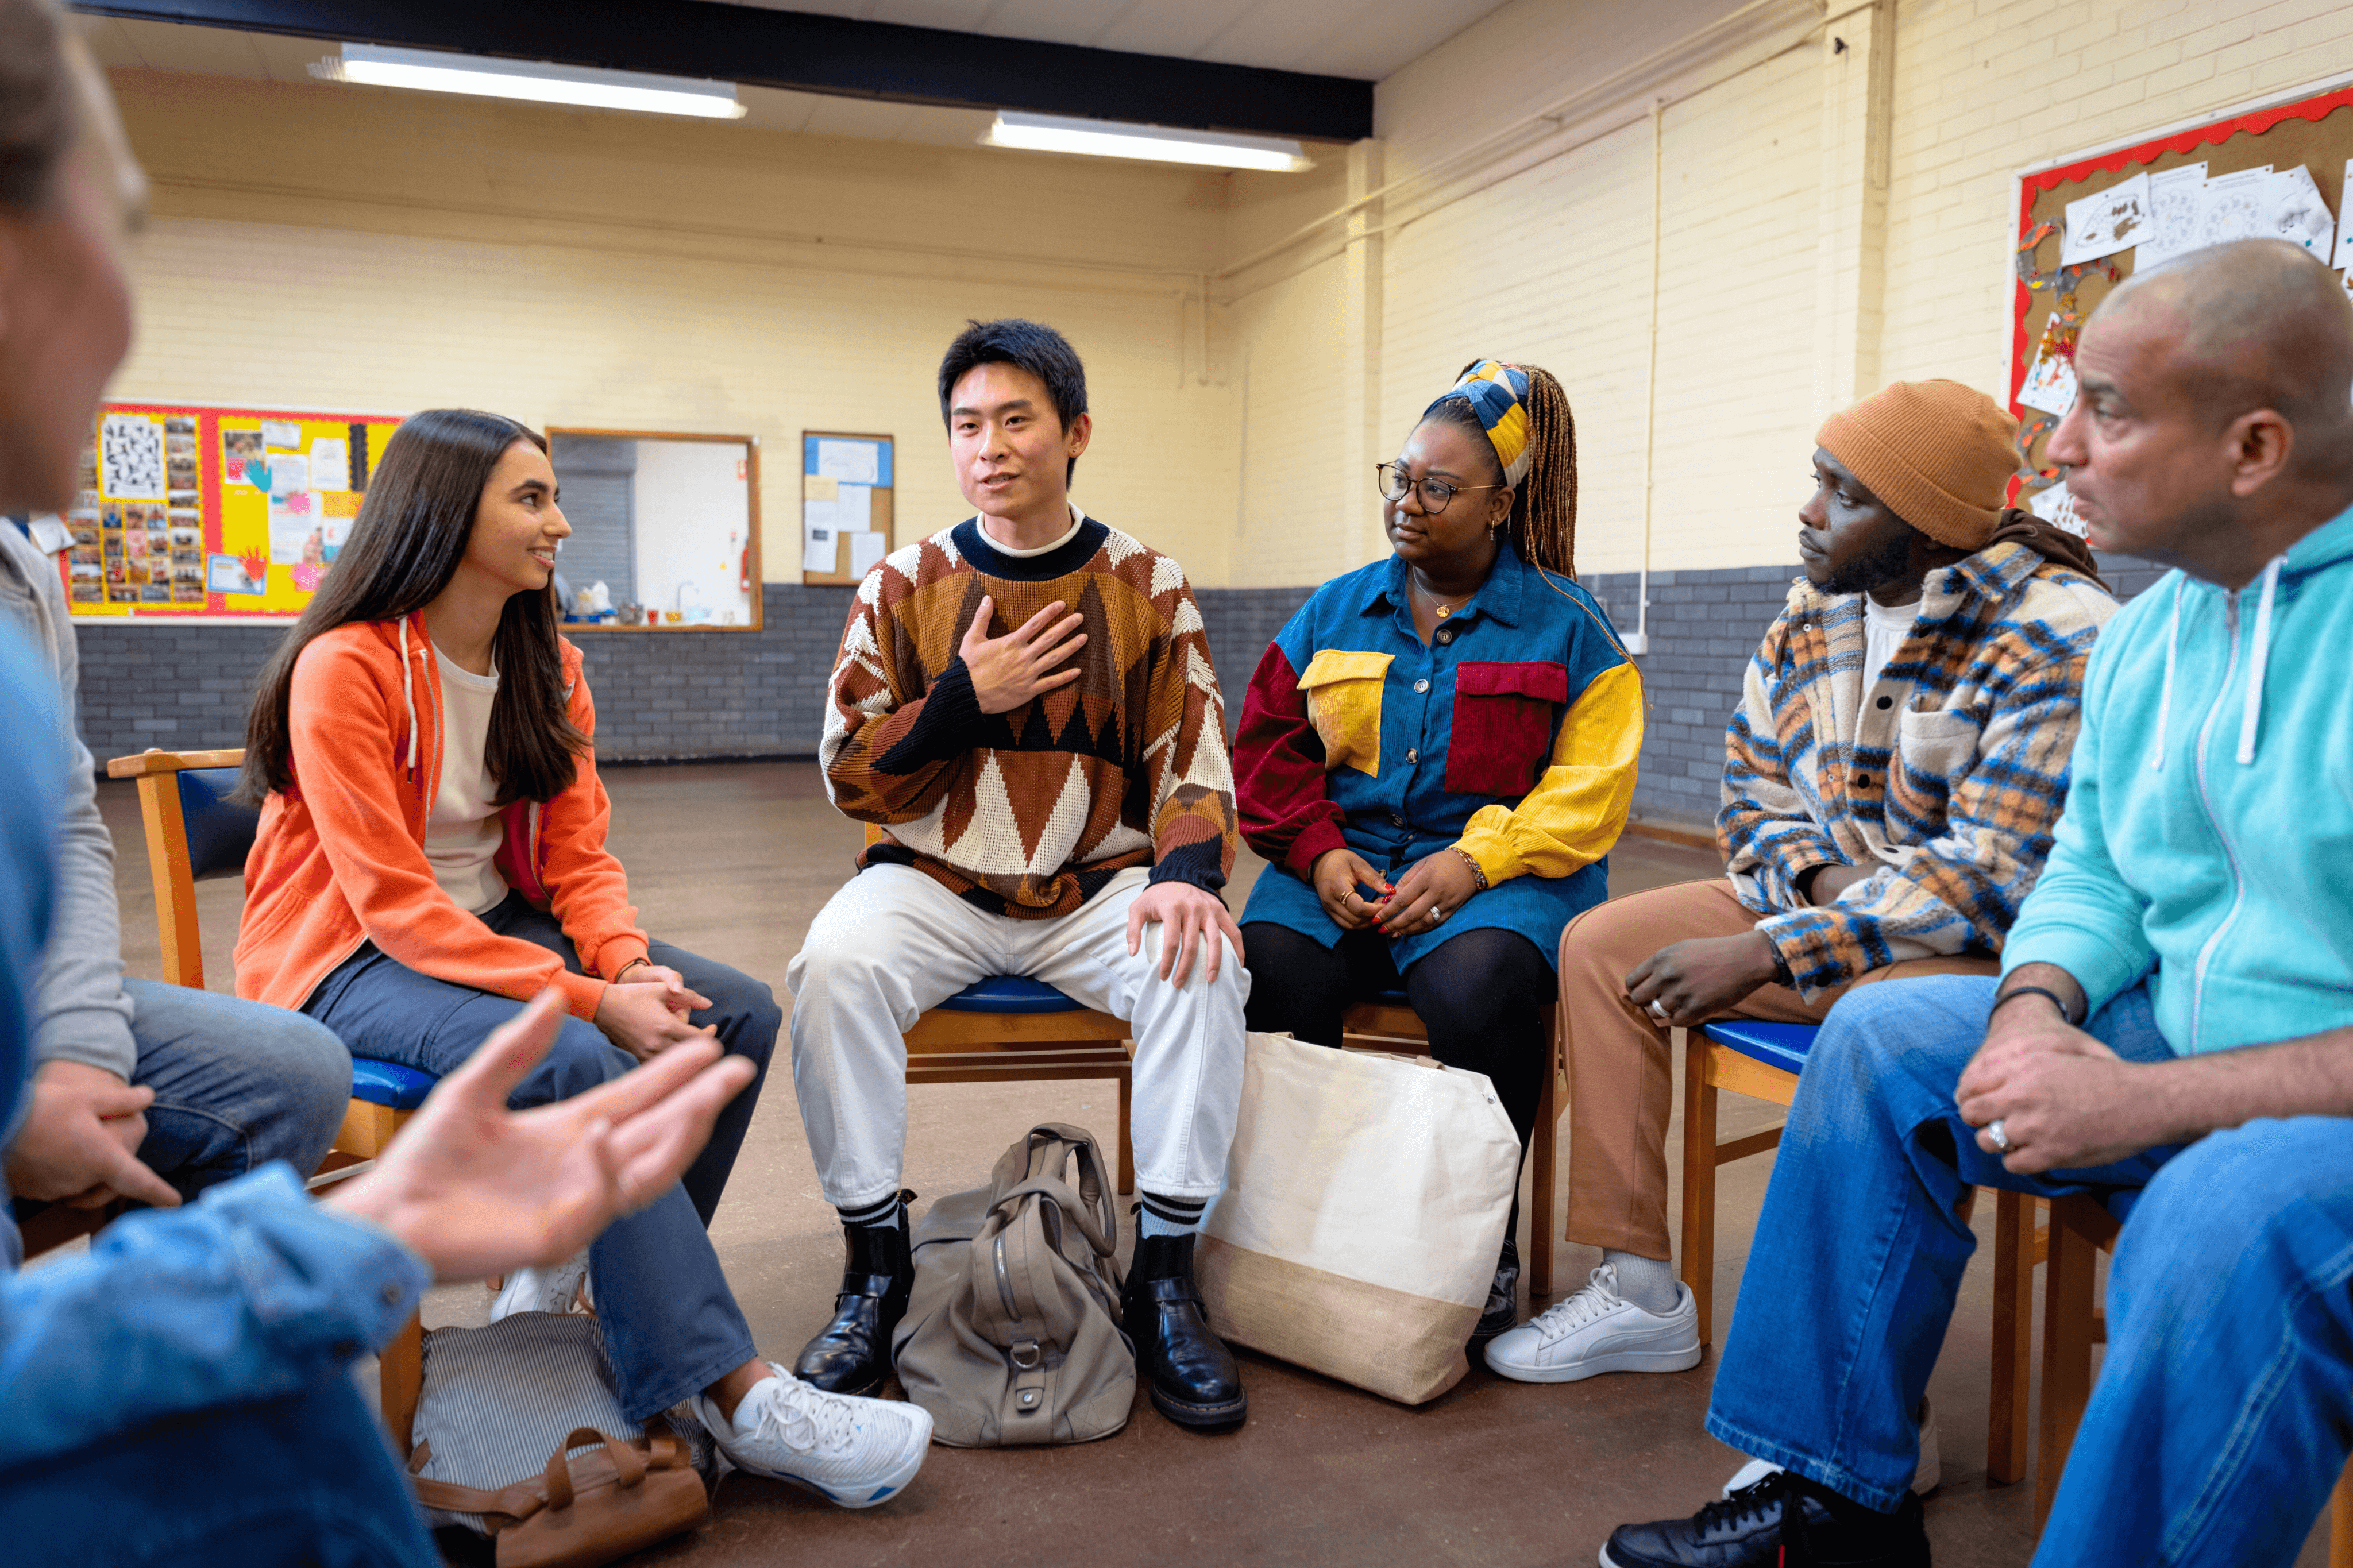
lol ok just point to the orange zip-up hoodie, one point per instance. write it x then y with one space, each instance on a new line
339 857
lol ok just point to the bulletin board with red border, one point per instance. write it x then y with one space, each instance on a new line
195 511
2311 128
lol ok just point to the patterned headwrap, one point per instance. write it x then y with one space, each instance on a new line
1496 391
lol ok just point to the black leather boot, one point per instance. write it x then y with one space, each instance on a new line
1503 1313
852 1354
1192 1375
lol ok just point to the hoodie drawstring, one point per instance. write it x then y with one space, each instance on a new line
2165 693
408 695
2252 716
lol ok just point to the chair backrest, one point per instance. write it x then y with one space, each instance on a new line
219 830
193 830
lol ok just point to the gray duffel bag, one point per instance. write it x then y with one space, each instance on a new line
1012 1335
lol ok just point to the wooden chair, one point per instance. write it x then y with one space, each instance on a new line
1012 1029
194 832
2080 1228
1763 1060
1388 1022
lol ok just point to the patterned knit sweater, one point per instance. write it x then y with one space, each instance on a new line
1029 812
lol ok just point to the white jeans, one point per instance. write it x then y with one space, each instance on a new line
894 943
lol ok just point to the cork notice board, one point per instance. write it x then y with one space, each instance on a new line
2314 130
845 504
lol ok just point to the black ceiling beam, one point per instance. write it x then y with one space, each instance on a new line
817 54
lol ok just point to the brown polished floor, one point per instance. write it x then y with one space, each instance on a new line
732 861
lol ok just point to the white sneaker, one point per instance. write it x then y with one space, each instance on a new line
850 1451
544 1290
1598 1331
1926 1477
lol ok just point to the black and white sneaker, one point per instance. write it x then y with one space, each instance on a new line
1782 1521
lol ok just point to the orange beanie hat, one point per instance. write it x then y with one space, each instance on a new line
1938 453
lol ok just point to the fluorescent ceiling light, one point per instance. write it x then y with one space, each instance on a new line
477 76
1156 143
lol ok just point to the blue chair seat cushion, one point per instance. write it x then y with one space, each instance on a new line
1782 1045
1010 993
390 1084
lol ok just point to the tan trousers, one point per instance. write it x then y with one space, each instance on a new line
1621 1071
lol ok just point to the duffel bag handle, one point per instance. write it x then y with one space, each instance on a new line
628 1464
1097 1215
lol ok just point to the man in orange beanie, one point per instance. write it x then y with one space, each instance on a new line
1891 781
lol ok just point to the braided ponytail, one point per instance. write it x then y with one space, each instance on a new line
1544 513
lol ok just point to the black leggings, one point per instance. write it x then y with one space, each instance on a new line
1482 994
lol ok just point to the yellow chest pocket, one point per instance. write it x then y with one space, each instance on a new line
1343 689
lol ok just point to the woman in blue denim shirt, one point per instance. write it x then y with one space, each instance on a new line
1436 754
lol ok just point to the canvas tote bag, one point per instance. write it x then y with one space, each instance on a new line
1365 1205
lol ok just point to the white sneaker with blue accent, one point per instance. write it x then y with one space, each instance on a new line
1598 1331
851 1452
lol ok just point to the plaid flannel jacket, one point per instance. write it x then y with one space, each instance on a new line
1945 778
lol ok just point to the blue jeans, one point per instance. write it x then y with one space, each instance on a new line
302 1479
237 1084
670 1324
2224 1410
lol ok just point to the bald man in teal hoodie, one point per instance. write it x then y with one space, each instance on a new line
2173 1031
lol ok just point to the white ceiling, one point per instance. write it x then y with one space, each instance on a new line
1363 39
267 57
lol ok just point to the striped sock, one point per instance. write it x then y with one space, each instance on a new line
886 1214
1169 1216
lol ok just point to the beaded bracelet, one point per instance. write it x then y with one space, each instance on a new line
1477 873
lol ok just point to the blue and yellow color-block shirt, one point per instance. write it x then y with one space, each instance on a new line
1513 735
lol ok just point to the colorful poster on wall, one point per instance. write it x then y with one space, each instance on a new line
200 511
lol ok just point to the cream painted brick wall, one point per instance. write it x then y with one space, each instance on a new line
1289 522
1538 268
653 298
1553 265
1984 89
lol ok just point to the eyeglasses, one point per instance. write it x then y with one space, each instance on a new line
1396 484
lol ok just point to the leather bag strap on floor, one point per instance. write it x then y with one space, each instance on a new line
581 1512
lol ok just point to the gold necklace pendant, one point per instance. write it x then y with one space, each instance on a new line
1443 612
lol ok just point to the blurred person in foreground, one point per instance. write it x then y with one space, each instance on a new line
184 1392
2172 1033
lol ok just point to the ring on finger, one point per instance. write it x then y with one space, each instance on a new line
1996 1135
1658 1010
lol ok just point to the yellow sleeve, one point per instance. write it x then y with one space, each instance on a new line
1579 807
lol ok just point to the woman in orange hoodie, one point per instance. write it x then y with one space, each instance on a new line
431 856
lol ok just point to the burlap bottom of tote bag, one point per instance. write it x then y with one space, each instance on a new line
1365 1205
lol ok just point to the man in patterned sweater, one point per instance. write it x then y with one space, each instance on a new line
1892 778
1026 703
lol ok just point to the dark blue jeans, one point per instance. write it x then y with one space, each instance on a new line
236 1085
2224 1409
670 1324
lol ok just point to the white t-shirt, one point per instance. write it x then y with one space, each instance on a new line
1884 631
464 831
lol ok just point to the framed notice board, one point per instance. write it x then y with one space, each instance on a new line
846 506
2277 168
193 512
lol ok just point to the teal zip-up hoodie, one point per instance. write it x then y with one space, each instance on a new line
2208 826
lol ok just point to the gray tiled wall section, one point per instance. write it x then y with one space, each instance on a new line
762 694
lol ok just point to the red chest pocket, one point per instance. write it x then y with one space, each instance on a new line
1503 725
